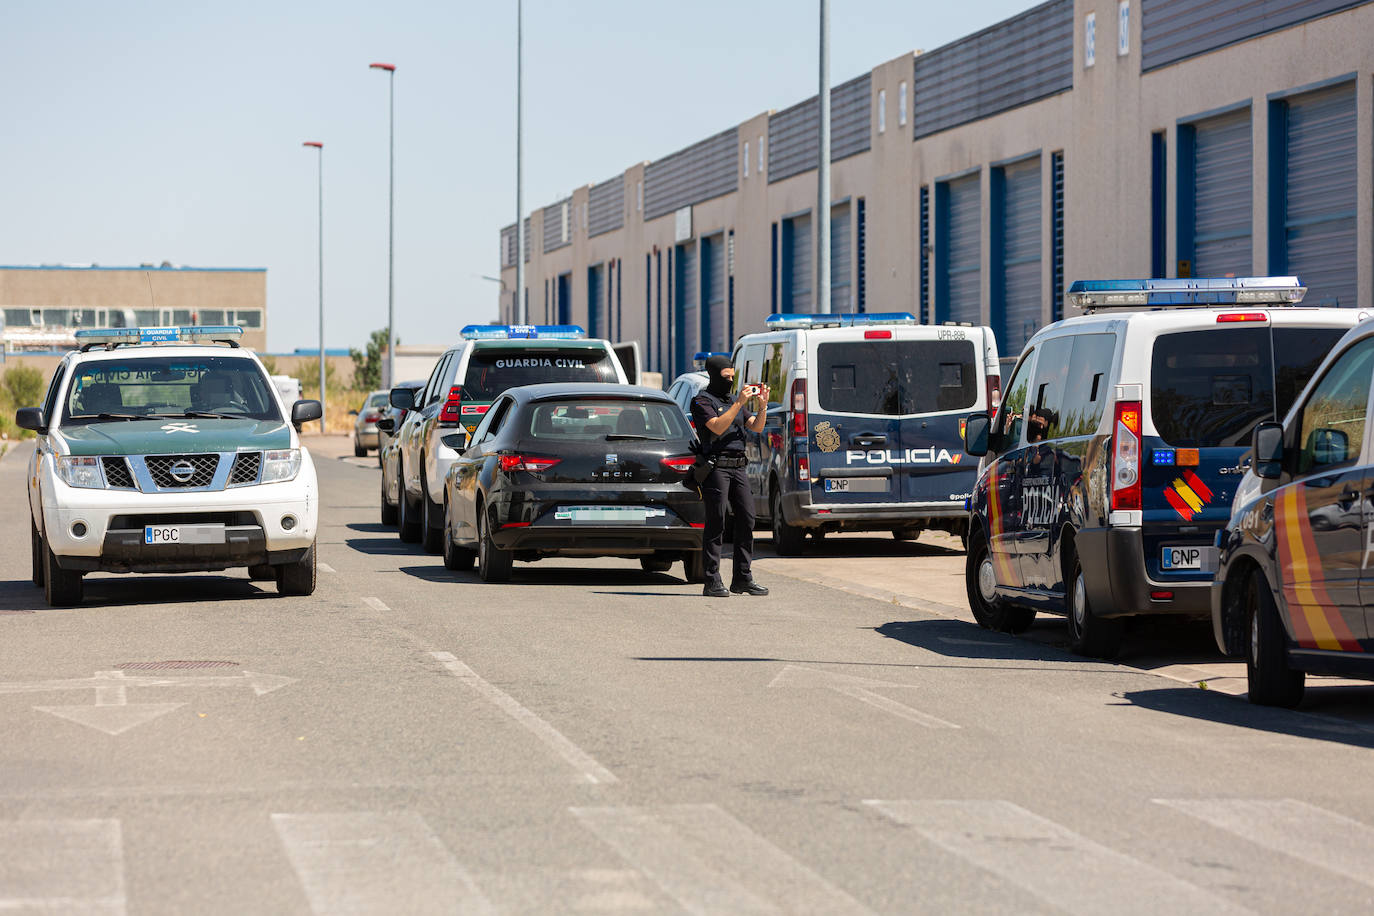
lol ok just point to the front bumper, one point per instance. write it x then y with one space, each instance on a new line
799 510
599 541
1117 584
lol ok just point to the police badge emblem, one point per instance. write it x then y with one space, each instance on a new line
827 437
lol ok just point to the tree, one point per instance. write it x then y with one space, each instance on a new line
24 386
367 367
309 374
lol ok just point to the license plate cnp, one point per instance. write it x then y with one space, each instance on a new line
159 535
1200 558
856 485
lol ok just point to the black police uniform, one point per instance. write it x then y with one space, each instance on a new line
729 482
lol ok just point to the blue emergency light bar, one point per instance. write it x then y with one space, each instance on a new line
522 332
703 356
88 337
788 320
1091 295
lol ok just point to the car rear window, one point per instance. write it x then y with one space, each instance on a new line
1209 388
896 377
379 400
492 371
597 418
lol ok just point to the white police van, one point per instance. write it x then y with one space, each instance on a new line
1122 436
865 422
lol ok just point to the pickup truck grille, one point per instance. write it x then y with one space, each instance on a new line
117 473
246 468
182 472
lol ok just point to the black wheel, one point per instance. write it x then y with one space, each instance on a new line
388 507
694 567
787 539
980 581
654 564
358 450
818 534
61 587
408 526
493 563
36 549
298 578
1272 682
432 526
905 534
455 557
1097 637
261 573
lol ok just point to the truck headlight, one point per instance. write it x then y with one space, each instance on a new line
281 465
80 471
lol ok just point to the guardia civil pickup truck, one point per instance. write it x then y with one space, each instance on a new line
168 450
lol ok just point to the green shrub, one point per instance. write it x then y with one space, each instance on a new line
23 386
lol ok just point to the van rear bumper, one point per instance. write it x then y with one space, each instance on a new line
798 510
1116 582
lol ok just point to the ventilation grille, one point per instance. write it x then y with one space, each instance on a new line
117 474
245 470
170 472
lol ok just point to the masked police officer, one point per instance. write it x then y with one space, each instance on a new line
720 424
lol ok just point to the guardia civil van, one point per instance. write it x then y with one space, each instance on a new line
1120 442
865 422
168 450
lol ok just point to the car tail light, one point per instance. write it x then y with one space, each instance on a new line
1161 595
451 415
680 464
877 335
371 417
1126 456
531 463
994 394
803 470
799 407
1229 317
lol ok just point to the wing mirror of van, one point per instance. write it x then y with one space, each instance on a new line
457 441
387 424
30 418
402 398
976 430
1267 455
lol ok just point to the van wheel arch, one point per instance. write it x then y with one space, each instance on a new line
1235 620
1067 551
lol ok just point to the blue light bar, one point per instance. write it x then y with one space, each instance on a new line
157 335
522 332
787 320
1100 294
703 356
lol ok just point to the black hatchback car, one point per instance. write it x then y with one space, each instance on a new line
574 470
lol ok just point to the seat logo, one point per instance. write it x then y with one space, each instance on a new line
827 437
179 427
182 471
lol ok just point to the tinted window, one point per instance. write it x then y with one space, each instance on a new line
378 400
492 371
1333 419
1047 392
895 377
50 402
1011 415
161 386
1210 388
597 418
1085 391
1300 351
774 376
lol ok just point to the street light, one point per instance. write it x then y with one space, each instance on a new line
390 225
519 309
319 147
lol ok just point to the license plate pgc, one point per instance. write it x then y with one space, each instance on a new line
159 535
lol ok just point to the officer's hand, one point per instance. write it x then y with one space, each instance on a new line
763 393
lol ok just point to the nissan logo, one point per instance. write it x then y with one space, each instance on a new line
182 471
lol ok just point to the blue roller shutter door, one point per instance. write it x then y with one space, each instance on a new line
1314 211
1016 296
715 321
959 259
687 307
797 263
841 262
596 301
1223 193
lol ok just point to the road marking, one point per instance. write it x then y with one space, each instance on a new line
324 567
860 688
1061 867
1316 836
373 862
590 770
62 866
711 863
376 604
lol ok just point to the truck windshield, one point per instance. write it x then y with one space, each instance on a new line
169 386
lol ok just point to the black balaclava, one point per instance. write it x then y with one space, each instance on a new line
719 384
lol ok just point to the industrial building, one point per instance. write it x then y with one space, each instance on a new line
44 306
1080 139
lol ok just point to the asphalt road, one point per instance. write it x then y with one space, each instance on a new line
591 738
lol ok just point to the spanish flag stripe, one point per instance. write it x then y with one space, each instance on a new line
1182 508
1333 633
1000 561
1188 495
1283 531
1200 488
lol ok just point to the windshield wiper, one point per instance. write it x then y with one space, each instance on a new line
106 416
200 415
618 436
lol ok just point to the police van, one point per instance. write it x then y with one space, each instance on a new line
864 425
465 381
1120 441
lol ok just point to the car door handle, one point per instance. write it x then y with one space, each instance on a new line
869 441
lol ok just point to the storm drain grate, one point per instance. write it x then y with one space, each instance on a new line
176 665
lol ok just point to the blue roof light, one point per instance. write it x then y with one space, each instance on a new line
110 336
785 320
522 332
1090 295
702 356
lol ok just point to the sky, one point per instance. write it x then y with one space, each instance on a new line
142 132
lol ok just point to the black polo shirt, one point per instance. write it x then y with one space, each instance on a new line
706 406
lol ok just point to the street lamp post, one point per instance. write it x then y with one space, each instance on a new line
823 170
390 227
319 148
519 308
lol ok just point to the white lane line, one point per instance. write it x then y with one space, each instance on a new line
376 604
709 862
859 688
589 769
324 567
373 862
1314 835
1061 867
62 866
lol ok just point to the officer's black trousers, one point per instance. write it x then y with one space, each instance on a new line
728 485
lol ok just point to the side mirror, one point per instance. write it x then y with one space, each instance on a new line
387 424
305 411
402 398
1267 445
457 441
30 418
1328 446
976 430
352 413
